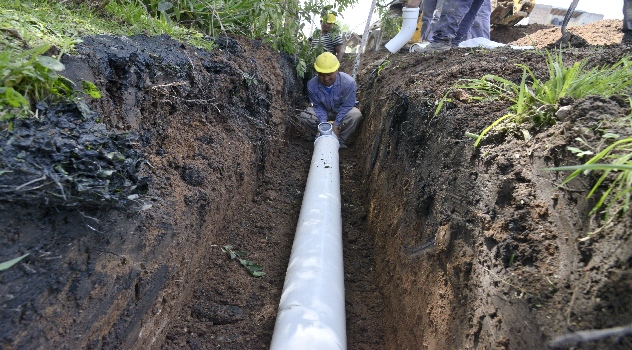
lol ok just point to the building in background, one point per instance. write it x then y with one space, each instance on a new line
547 14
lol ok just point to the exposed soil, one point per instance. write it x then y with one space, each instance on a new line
447 246
597 33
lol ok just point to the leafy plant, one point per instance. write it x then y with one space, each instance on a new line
29 76
35 24
390 23
277 22
255 269
383 65
535 100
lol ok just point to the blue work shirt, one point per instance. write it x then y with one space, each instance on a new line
339 102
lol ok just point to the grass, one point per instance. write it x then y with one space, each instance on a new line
7 264
40 22
536 101
26 24
614 163
29 76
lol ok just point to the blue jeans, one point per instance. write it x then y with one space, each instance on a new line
428 21
480 28
451 15
467 22
627 17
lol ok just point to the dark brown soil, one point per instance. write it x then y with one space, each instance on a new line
447 246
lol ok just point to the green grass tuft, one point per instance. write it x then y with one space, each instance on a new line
536 101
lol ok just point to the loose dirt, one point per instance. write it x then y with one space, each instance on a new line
447 246
597 33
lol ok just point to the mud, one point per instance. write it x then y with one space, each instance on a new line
66 157
446 246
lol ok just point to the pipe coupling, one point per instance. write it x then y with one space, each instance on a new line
325 129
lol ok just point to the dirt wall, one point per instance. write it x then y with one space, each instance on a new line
105 278
480 248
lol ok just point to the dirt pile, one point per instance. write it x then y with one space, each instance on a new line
604 32
506 35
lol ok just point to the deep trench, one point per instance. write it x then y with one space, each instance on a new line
431 226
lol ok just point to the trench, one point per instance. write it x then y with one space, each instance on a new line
444 246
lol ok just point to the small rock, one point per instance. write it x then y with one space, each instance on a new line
563 112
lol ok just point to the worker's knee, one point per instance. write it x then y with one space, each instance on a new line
354 115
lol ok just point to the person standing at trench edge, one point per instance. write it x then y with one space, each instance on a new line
627 22
449 25
327 38
333 96
480 28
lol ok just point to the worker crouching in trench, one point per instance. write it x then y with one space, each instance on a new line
333 97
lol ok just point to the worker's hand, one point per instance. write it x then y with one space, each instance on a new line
337 130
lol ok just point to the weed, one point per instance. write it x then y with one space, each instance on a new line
29 76
250 79
614 162
382 66
538 101
5 265
278 22
618 170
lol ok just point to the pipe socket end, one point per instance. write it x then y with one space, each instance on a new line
410 12
325 129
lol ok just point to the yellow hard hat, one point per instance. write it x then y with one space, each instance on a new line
330 18
326 62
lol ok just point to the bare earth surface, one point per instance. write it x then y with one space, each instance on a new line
603 32
446 246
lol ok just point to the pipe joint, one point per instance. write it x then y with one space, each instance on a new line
325 128
409 24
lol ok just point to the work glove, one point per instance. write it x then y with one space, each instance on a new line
336 130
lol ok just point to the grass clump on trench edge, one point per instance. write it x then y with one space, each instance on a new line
34 35
29 76
279 23
615 164
537 101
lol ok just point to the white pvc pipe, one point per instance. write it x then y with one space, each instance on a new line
409 24
311 312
